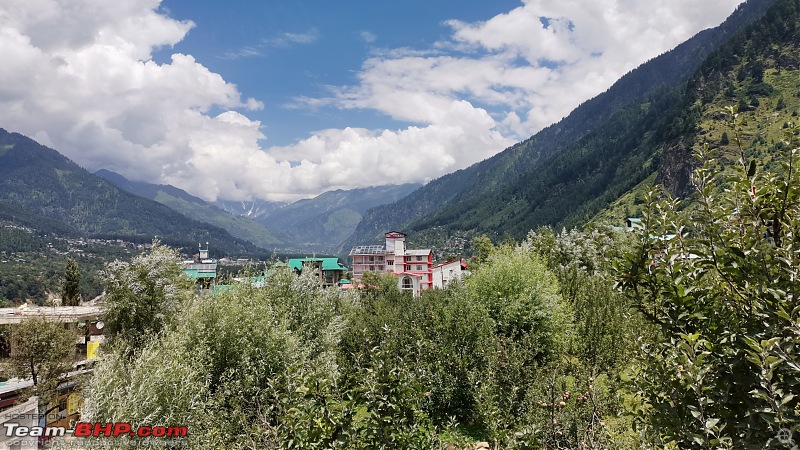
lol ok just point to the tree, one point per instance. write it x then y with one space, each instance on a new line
253 367
70 287
41 350
380 284
482 247
721 281
532 327
142 296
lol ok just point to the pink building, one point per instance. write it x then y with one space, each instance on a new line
411 267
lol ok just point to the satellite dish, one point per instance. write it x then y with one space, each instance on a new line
99 325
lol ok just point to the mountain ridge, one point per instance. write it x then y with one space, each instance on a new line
318 224
40 181
326 220
656 136
669 69
198 209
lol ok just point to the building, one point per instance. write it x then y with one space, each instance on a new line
446 273
85 318
633 224
328 270
411 267
203 271
85 321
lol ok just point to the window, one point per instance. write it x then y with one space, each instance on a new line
390 263
419 258
407 283
408 268
420 268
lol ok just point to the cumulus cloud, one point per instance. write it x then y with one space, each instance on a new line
79 77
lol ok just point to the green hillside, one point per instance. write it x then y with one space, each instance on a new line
39 181
757 73
198 209
757 69
647 140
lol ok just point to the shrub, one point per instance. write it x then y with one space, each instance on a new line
723 292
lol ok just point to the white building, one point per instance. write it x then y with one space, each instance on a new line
443 274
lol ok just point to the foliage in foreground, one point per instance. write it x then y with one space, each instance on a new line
721 282
292 365
143 295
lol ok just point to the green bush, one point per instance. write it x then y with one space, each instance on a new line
723 293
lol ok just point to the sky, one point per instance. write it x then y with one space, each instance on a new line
282 100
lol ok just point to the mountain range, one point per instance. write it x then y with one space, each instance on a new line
197 208
43 189
316 225
571 170
324 222
590 167
38 181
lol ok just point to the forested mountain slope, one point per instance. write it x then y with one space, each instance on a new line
40 181
198 209
465 187
756 69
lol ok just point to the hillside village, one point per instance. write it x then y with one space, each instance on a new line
413 268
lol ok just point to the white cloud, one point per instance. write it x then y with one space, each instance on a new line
368 37
282 40
78 76
532 65
286 39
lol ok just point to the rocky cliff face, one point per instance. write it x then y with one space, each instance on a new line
675 173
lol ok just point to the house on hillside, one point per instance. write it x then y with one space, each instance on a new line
328 270
411 267
85 321
633 224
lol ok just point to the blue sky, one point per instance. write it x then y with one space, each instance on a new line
286 100
276 51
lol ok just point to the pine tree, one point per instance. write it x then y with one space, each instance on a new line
70 289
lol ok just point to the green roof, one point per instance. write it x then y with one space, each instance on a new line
195 274
327 263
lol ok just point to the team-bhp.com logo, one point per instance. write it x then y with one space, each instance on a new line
86 429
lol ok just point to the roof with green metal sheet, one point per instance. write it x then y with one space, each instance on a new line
327 263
